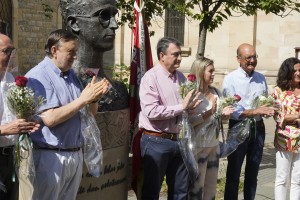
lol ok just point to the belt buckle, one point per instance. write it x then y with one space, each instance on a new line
171 136
164 135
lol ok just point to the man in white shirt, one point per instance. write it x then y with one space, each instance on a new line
9 126
248 84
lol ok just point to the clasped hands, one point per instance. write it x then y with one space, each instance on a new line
266 111
95 90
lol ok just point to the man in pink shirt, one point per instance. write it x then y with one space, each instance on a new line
161 110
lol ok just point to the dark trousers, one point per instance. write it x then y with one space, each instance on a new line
162 157
252 149
7 171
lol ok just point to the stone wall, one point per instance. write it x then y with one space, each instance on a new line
31 29
114 179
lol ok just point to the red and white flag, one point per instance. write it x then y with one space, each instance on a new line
141 61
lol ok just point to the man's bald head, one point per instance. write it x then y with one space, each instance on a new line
4 39
6 47
242 47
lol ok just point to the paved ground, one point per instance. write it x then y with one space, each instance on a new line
265 189
266 176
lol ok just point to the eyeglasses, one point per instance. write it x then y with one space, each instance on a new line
7 51
248 58
105 15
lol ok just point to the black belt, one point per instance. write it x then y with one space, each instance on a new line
58 149
8 150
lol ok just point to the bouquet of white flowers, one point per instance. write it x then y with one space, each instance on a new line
21 100
263 100
23 104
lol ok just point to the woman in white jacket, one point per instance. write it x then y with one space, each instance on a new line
205 120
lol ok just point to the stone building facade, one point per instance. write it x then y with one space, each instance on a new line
29 29
274 38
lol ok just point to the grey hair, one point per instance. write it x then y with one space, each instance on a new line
163 45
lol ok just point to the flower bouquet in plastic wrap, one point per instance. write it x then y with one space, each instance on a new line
22 102
92 150
186 131
235 135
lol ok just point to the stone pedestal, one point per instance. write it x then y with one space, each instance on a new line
113 181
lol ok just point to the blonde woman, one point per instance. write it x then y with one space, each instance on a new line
205 121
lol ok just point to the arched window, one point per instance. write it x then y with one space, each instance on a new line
6 17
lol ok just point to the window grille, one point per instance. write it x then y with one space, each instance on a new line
174 25
6 17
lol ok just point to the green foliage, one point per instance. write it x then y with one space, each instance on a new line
121 73
211 13
151 9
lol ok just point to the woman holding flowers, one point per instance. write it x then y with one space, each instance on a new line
287 133
205 120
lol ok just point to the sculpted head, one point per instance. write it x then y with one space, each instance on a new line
93 21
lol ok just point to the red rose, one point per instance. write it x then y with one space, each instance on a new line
237 97
191 77
90 74
21 81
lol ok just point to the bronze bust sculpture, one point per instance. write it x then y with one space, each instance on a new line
93 21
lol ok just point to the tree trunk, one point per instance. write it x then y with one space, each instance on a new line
202 40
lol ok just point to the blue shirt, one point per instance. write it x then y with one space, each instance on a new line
46 80
247 87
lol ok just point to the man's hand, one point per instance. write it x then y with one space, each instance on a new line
265 111
227 111
191 101
94 90
19 126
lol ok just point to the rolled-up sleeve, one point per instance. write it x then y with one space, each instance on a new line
228 90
